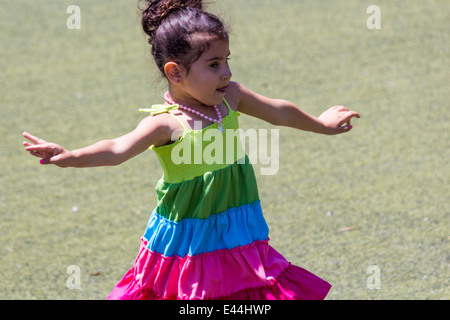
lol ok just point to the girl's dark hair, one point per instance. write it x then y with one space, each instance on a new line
179 30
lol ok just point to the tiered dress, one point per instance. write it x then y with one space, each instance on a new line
207 237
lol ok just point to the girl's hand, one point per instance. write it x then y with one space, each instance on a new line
51 153
337 120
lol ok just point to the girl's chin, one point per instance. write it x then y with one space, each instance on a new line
217 99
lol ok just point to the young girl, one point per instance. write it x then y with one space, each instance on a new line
207 237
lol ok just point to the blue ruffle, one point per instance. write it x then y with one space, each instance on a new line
230 229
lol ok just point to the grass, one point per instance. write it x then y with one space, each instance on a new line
376 196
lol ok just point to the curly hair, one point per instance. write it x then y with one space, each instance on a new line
179 30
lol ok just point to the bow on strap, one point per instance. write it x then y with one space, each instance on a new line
159 108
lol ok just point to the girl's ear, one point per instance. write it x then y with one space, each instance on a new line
173 72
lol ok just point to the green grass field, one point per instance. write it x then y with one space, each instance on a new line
376 196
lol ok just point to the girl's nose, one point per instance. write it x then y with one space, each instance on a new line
227 73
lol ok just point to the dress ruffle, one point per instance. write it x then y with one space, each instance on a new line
255 271
212 193
232 228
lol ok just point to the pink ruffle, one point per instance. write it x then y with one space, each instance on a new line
255 271
294 283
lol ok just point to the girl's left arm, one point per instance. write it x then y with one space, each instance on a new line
284 113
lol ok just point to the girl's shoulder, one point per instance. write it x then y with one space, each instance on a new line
233 95
162 126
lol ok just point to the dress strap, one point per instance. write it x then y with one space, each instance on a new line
228 106
159 109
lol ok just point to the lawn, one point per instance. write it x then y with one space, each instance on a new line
377 196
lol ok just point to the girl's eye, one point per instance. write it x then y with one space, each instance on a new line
217 64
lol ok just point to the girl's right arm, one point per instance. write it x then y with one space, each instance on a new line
278 112
103 153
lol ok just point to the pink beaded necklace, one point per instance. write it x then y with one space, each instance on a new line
219 116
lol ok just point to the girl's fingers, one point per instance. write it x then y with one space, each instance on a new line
41 151
50 153
33 139
340 108
37 148
37 154
338 119
354 114
349 115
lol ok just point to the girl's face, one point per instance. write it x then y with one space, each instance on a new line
208 78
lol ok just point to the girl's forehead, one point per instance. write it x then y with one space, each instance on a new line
217 49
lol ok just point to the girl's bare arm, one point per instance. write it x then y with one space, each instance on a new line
284 113
103 153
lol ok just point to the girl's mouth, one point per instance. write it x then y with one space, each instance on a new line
223 89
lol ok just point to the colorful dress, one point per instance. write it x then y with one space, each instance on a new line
207 237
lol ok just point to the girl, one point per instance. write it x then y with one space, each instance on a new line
207 237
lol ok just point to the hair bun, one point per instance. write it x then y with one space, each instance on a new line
154 12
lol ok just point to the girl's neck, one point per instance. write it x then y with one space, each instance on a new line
179 97
218 120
